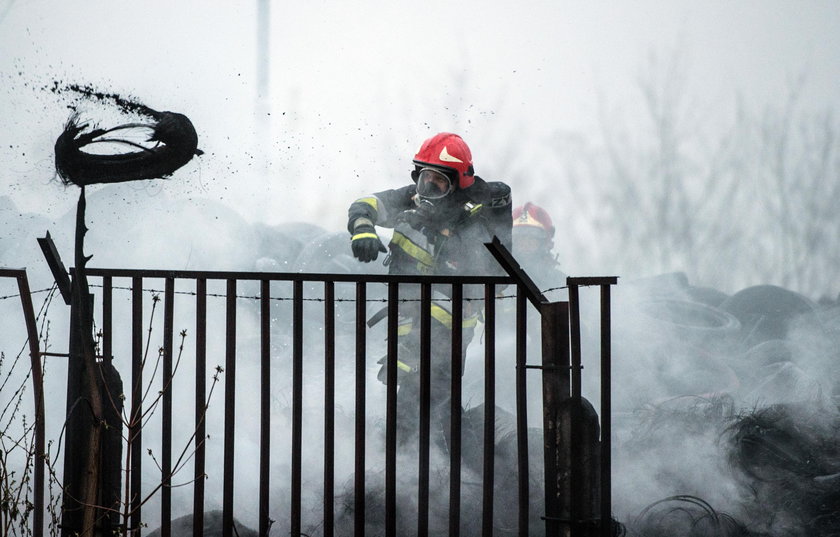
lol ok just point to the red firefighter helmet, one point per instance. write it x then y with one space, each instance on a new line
533 216
533 230
447 152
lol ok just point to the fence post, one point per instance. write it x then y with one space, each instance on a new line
91 487
81 425
556 390
590 444
77 424
575 459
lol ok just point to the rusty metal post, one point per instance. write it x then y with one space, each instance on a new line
82 442
578 492
77 427
556 386
606 414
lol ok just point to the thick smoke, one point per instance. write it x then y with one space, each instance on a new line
725 405
709 389
700 377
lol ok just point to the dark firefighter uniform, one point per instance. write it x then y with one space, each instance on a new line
440 225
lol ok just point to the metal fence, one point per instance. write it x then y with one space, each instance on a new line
563 510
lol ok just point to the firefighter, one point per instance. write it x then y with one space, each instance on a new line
533 244
440 223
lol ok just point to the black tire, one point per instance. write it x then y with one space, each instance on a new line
176 142
695 320
765 311
707 295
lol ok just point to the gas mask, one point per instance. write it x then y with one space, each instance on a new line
433 184
424 215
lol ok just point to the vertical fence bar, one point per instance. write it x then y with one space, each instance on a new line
265 402
488 468
391 414
425 417
107 319
455 411
230 408
135 429
359 467
522 410
606 419
113 411
576 470
38 392
200 404
329 408
297 404
166 411
112 466
111 470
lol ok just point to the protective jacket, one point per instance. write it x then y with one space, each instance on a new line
441 237
446 238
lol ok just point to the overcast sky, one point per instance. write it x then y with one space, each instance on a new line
354 87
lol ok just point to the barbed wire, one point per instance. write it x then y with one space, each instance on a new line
288 298
30 292
281 299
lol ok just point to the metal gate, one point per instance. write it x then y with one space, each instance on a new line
317 303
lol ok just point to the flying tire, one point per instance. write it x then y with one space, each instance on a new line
172 143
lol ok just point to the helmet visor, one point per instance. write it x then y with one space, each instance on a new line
433 184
